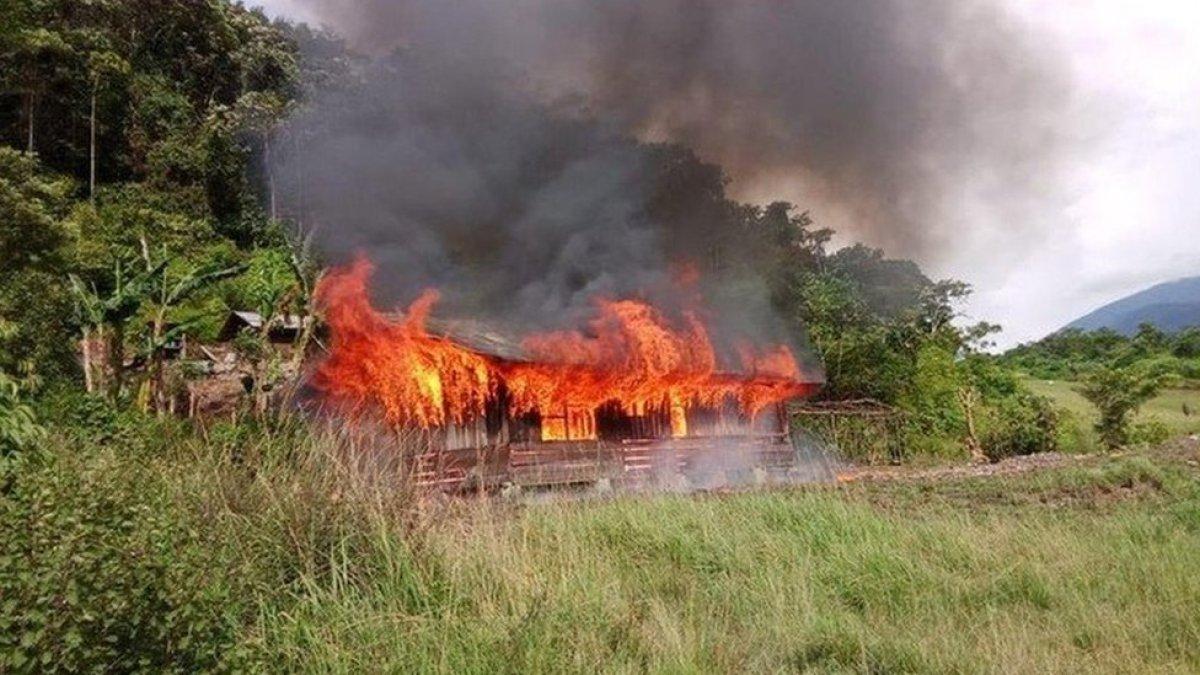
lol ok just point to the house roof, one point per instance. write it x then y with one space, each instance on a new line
492 341
479 337
255 320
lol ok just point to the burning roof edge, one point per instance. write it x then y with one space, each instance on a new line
480 338
488 341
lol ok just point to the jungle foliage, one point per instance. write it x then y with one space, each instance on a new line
1072 353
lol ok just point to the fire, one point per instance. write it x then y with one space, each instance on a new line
415 378
632 356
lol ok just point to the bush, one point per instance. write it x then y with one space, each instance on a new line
1149 432
91 420
1022 424
1073 436
99 572
159 551
19 428
932 395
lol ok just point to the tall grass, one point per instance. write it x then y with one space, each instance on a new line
317 557
824 579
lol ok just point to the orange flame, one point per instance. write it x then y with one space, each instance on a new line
633 356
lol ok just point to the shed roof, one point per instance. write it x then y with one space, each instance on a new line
286 326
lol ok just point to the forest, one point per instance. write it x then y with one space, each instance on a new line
141 203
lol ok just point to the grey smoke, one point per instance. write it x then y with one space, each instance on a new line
492 150
477 190
884 110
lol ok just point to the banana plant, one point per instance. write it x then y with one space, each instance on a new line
104 317
168 293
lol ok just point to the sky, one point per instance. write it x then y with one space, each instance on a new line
1124 213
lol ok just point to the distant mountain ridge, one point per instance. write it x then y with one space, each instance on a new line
1171 306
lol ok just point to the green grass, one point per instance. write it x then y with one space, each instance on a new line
293 560
1167 407
1084 570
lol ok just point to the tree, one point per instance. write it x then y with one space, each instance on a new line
38 54
34 248
1117 394
260 114
31 203
1186 343
103 66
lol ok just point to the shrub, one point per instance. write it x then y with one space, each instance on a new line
932 394
91 420
1149 432
158 551
1022 424
1072 434
19 428
99 572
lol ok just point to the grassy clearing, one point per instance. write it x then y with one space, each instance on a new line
1167 407
294 561
1077 570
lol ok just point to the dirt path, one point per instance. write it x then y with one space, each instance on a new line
1188 445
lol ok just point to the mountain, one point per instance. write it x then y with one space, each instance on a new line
1170 306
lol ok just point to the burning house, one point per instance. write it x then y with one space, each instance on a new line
632 394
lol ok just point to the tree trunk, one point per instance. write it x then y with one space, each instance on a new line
157 386
270 174
116 362
308 322
30 106
92 153
100 371
88 382
260 388
967 398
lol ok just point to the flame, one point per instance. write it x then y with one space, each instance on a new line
632 356
415 378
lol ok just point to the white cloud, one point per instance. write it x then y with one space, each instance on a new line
1132 218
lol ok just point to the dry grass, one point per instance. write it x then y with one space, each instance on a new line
1034 574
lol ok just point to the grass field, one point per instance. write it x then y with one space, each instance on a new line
179 557
1088 569
1167 407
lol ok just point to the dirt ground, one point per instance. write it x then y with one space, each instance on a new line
1187 446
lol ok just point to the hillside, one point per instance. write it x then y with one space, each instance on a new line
1170 306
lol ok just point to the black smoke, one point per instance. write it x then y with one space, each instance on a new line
498 149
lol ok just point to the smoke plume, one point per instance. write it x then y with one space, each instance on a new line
497 149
